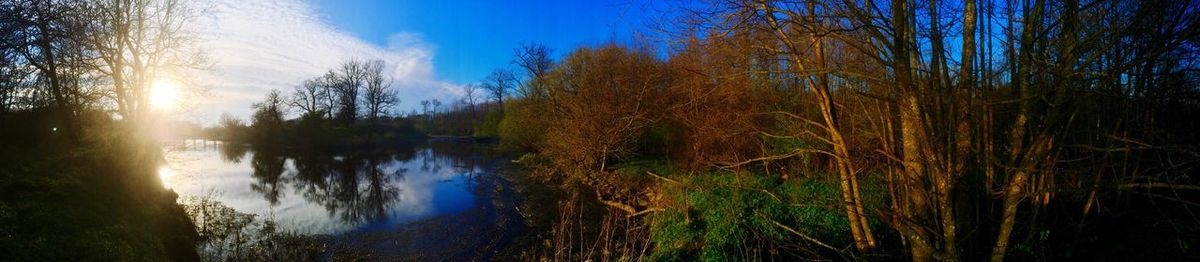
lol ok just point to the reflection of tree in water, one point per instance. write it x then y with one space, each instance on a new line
357 187
361 191
313 178
429 162
268 170
378 193
465 158
233 152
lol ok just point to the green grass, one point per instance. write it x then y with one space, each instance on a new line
99 202
723 216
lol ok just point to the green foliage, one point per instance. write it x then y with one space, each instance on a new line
490 126
724 216
524 124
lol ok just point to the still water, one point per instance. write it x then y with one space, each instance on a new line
389 189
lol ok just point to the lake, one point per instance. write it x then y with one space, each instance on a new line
406 201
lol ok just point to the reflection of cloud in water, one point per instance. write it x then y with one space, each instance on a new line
328 194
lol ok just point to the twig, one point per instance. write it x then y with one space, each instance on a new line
1181 201
1159 185
633 212
798 233
794 153
662 177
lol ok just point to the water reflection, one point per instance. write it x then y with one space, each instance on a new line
268 169
321 193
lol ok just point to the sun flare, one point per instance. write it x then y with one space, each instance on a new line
164 174
164 94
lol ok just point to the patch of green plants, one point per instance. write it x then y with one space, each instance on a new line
722 216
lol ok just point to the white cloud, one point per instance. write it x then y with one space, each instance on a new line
256 46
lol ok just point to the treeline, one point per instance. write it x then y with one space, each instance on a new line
75 58
348 105
991 124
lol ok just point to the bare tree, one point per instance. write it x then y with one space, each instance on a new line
329 83
42 32
378 94
470 95
536 62
350 78
14 78
310 98
139 41
805 48
498 83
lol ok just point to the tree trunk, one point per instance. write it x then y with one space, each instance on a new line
1021 158
65 110
859 229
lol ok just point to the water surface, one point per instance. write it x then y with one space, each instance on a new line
361 190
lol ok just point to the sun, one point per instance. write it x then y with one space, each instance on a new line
164 94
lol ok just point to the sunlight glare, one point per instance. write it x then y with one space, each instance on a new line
164 94
164 174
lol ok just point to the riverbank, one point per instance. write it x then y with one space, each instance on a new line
98 200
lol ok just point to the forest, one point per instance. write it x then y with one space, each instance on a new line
751 130
986 130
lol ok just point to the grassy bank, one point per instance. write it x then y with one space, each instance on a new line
98 200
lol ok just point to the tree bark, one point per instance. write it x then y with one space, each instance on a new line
1022 159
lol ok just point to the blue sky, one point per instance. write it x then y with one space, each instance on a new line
431 48
471 38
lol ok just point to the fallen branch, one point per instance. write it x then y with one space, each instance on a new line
647 211
633 212
794 153
798 233
619 205
662 177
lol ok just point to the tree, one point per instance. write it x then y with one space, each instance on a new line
535 60
470 95
329 83
44 33
138 42
229 128
267 120
378 94
598 116
14 80
498 83
350 78
310 98
797 41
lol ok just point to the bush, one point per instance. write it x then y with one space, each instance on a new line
524 124
489 127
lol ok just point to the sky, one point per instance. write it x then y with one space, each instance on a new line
431 48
